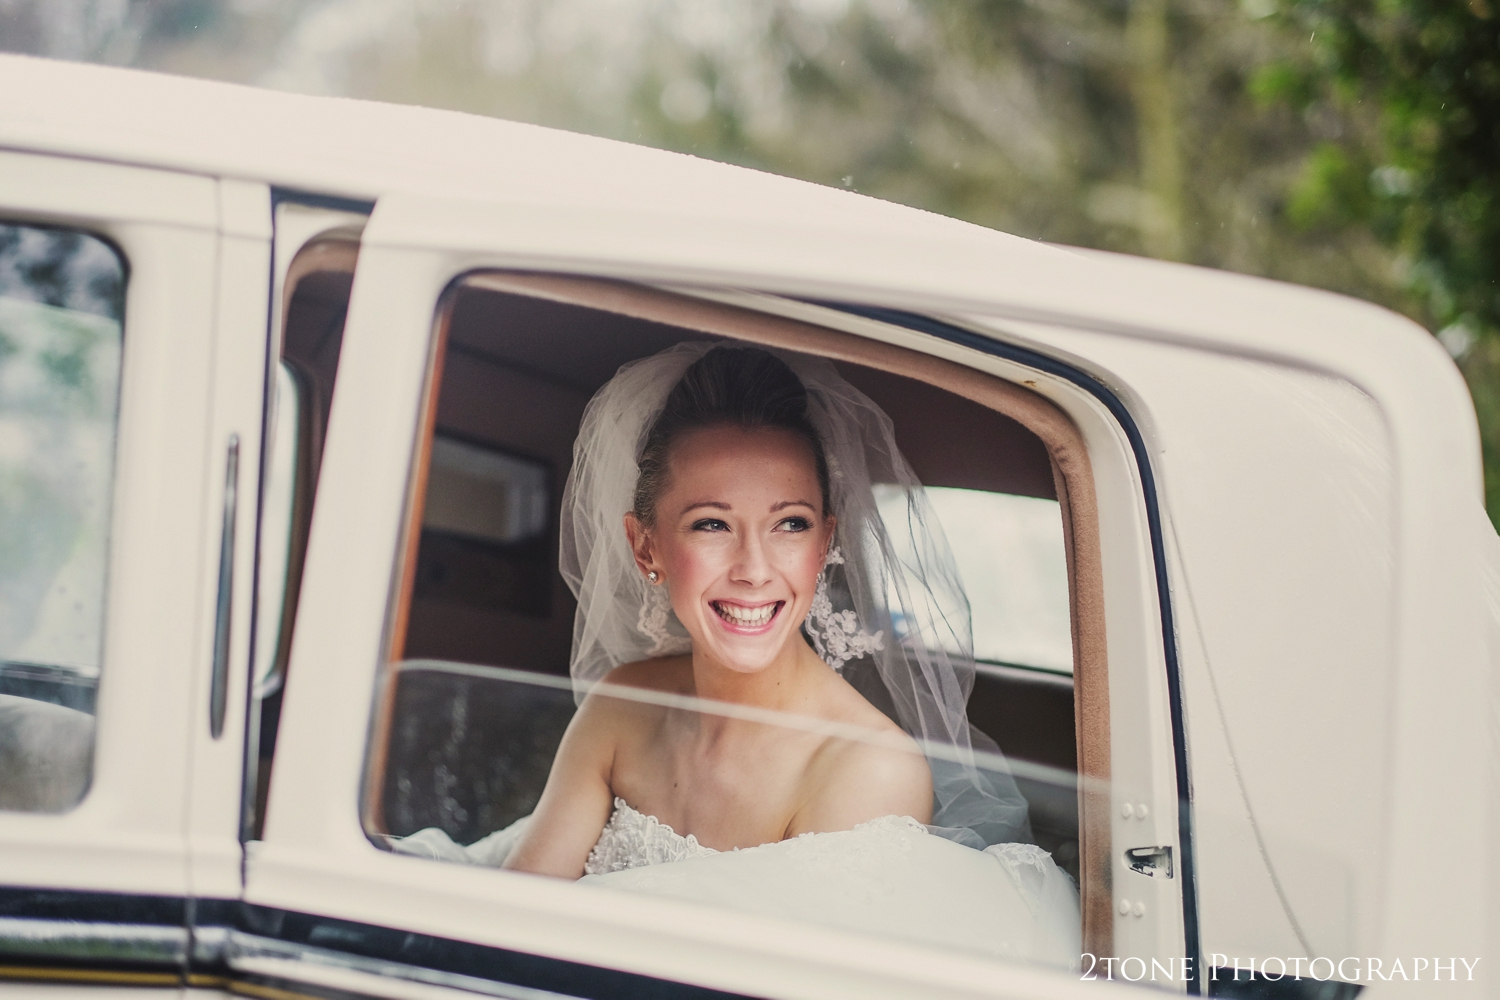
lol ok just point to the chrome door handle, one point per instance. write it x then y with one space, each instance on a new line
218 689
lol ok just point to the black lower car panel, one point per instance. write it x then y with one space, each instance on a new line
164 940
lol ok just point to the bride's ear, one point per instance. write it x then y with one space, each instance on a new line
639 537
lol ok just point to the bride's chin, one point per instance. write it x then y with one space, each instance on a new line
743 666
739 653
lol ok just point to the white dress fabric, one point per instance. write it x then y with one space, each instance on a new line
888 877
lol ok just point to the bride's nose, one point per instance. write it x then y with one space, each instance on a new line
751 566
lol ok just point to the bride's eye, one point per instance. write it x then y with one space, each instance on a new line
797 524
710 524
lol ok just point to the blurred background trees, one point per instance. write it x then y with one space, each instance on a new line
1422 172
1348 144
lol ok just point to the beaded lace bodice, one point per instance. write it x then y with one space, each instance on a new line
631 839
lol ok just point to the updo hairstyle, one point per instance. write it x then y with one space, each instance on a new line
742 387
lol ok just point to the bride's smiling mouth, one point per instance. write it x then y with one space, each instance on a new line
744 619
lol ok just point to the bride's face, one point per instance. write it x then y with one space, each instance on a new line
739 540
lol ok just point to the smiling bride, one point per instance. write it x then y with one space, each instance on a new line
772 675
730 526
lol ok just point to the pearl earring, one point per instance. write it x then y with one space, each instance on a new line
653 576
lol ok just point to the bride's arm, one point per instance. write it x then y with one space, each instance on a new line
576 803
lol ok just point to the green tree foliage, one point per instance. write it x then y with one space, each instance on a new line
1129 125
1419 82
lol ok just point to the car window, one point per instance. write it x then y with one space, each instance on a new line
278 516
61 311
1009 551
477 698
472 745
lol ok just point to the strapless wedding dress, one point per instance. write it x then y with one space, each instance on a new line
631 839
888 877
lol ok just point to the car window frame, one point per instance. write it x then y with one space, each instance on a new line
388 399
1073 479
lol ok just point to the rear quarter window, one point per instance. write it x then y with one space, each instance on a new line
61 325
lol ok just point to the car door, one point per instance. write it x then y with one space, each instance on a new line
131 415
136 345
326 896
1280 483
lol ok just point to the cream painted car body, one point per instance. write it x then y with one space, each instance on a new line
1289 499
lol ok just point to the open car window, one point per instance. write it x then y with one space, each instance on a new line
477 698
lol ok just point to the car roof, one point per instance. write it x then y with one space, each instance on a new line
461 168
365 149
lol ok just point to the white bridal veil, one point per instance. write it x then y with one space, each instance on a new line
899 626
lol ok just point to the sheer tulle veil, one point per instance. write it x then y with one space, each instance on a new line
897 577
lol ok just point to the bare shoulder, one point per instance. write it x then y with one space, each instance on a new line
854 779
854 782
896 766
672 674
608 709
844 704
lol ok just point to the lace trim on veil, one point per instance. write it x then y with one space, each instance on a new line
836 635
1029 868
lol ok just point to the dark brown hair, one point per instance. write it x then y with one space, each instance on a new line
727 387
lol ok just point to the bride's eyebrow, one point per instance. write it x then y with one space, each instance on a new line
715 504
783 505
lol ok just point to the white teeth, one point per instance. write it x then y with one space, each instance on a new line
750 617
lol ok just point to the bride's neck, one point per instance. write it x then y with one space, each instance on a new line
777 686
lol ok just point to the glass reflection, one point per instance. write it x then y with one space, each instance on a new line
469 755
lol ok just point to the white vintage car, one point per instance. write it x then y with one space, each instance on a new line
288 390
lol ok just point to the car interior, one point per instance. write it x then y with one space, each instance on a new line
517 360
